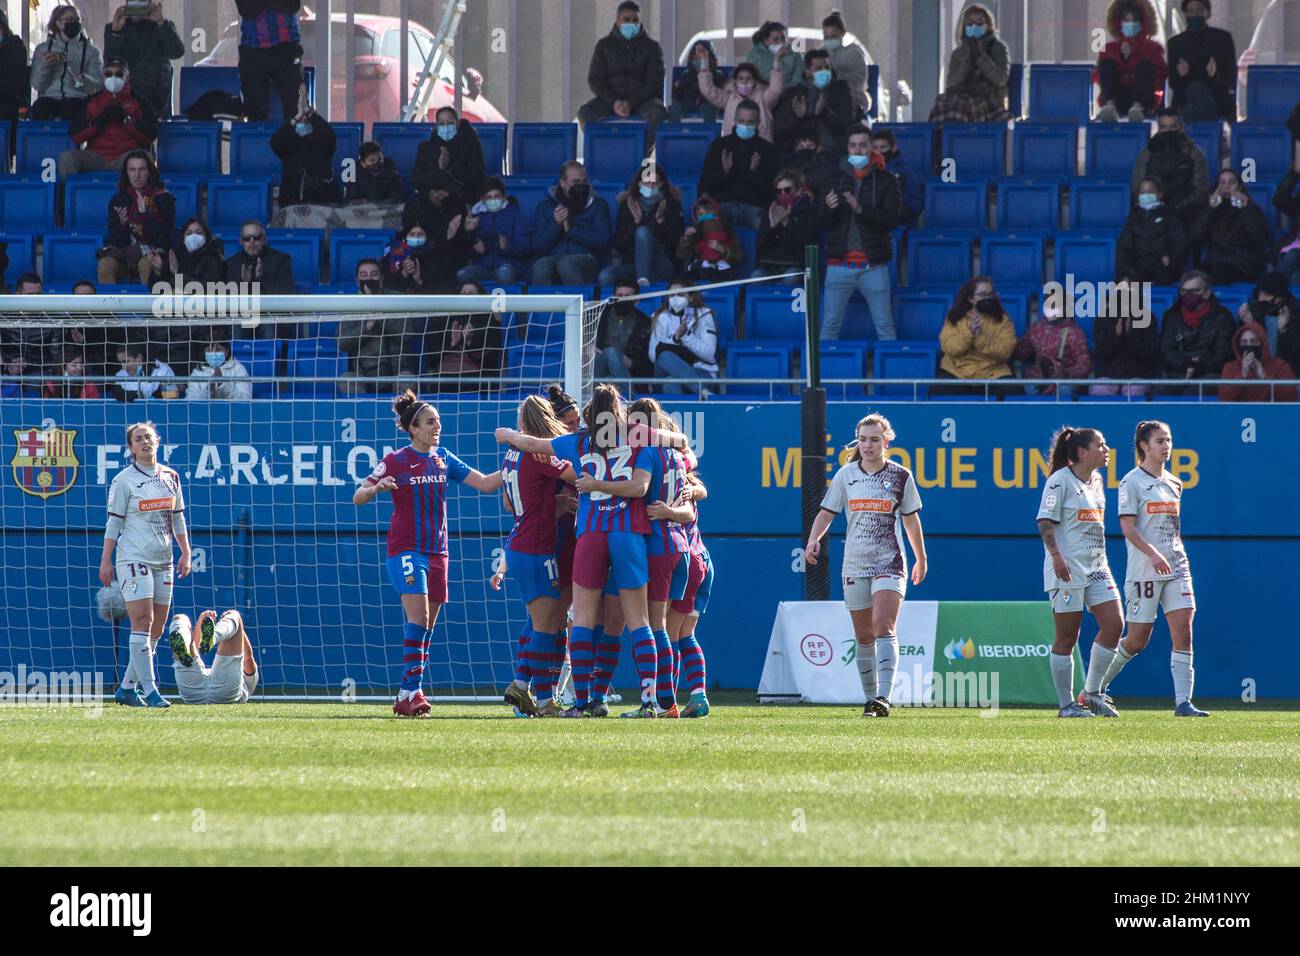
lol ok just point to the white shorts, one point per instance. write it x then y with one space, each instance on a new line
223 683
1142 598
138 580
1066 600
858 591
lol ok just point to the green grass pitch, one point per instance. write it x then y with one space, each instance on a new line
303 784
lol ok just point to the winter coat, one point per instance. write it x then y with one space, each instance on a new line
308 163
1143 48
1181 168
782 246
1287 203
1133 354
378 345
206 265
437 220
832 125
509 222
694 252
115 124
911 187
850 65
232 386
686 88
465 154
15 82
273 269
1204 349
818 174
979 68
1288 340
631 70
148 48
761 57
727 99
383 184
589 230
743 184
977 356
55 80
1148 235
1273 368
882 212
668 232
1232 236
155 227
1054 350
1197 47
434 276
630 334
698 345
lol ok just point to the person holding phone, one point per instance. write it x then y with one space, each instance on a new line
67 68
148 42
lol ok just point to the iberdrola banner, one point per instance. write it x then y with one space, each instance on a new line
985 654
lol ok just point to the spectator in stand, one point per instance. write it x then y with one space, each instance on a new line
72 383
1195 335
819 167
687 97
977 339
1203 68
410 263
1153 246
466 345
684 337
1255 363
626 75
821 102
454 148
1055 347
141 220
91 342
1234 233
39 347
911 185
305 145
1131 70
270 55
199 256
978 69
770 47
738 169
222 376
849 61
377 346
148 44
1287 203
623 338
66 69
114 124
497 237
1127 347
15 84
441 211
744 86
789 225
1178 163
16 366
709 248
377 178
647 230
858 212
571 231
140 378
257 262
1274 307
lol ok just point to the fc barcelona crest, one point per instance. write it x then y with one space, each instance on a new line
45 462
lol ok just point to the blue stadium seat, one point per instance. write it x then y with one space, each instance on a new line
250 150
613 150
840 361
1044 149
689 191
1112 148
1016 91
543 329
1269 145
1015 301
1100 205
233 199
915 144
21 252
1271 92
189 147
979 149
38 141
1232 296
1013 257
1162 299
70 256
535 363
919 313
680 148
1087 256
259 356
303 246
493 137
1060 91
85 204
400 142
532 191
938 258
317 358
904 360
1208 136
749 243
959 205
28 203
770 315
348 140
1262 194
539 149
350 246
759 362
725 304
1028 204
197 80
185 187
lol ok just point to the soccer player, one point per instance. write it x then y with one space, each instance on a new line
691 587
878 498
233 675
1158 573
1072 523
146 511
417 477
566 410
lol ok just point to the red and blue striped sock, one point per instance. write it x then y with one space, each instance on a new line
581 660
541 658
692 664
664 695
608 649
415 648
646 657
677 667
524 669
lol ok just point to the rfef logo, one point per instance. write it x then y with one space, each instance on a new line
45 462
816 650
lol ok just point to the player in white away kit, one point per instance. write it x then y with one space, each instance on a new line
1072 522
1158 573
146 510
879 499
232 678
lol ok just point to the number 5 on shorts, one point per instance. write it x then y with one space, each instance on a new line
408 566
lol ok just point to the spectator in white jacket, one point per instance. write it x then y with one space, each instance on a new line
139 378
684 340
224 377
849 61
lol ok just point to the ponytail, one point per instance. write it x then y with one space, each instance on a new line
875 418
1143 433
1067 444
407 407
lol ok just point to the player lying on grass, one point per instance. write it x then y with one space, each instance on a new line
232 678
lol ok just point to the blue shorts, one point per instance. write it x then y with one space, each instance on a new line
616 556
706 586
413 573
538 575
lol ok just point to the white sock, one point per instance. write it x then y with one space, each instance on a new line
1117 663
1098 663
1180 663
1063 677
226 627
866 654
403 694
142 661
886 664
129 679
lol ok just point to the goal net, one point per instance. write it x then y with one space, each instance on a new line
272 411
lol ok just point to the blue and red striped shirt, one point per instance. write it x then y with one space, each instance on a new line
420 499
530 489
667 479
269 29
598 511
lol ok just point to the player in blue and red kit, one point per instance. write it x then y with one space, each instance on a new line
417 477
691 587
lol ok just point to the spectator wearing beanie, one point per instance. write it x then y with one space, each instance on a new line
1254 365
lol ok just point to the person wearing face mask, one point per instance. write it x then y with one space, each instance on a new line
270 55
454 148
571 231
377 179
822 102
789 225
848 60
198 256
377 346
1178 163
977 340
497 236
738 169
305 146
1233 231
67 68
647 230
1131 70
1273 306
818 166
1253 363
978 71
709 247
1195 335
1126 347
1054 347
1153 246
1203 67
148 44
771 46
626 75
743 86
141 221
220 376
411 263
623 338
911 184
684 341
15 86
115 123
686 94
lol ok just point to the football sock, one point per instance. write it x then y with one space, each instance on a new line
866 655
414 644
1099 662
645 656
142 661
581 658
886 664
226 627
1117 663
664 695
542 660
608 649
692 666
1180 663
129 679
677 665
524 658
1063 677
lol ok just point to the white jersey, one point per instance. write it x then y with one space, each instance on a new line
873 505
146 510
1079 512
1156 503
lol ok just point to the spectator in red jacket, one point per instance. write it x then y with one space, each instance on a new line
1054 347
1131 70
73 382
141 222
1254 363
115 122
